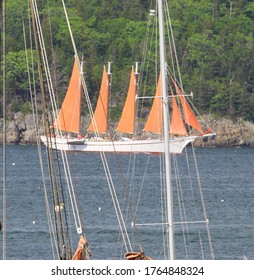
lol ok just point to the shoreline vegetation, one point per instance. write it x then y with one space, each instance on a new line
229 133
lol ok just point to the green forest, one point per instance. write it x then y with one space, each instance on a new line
214 41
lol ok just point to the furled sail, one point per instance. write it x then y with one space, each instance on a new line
154 121
100 117
68 118
82 251
177 126
189 116
137 255
127 120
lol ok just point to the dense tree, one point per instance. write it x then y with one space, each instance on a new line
214 40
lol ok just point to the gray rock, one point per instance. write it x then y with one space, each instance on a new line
21 130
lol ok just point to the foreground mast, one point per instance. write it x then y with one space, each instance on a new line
165 128
3 14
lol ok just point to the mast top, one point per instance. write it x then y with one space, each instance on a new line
109 68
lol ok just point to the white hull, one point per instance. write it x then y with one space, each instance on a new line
121 146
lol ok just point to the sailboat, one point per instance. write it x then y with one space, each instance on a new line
67 131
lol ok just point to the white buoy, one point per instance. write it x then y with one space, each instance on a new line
99 209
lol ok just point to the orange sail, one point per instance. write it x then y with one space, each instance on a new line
189 116
101 112
177 125
154 121
127 120
68 118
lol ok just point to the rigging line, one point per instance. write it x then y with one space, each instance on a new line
176 57
82 79
203 203
35 118
127 196
195 207
173 43
131 174
104 161
177 62
116 204
89 104
115 201
117 207
72 194
142 185
181 206
77 198
33 11
52 50
44 56
151 32
171 74
193 198
163 206
182 209
4 126
114 196
192 189
141 76
53 101
120 249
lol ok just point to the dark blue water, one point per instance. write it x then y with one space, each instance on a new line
227 182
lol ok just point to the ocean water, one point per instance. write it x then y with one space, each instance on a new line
226 176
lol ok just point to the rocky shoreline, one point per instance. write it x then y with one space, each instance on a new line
229 133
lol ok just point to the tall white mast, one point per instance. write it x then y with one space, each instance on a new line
166 129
